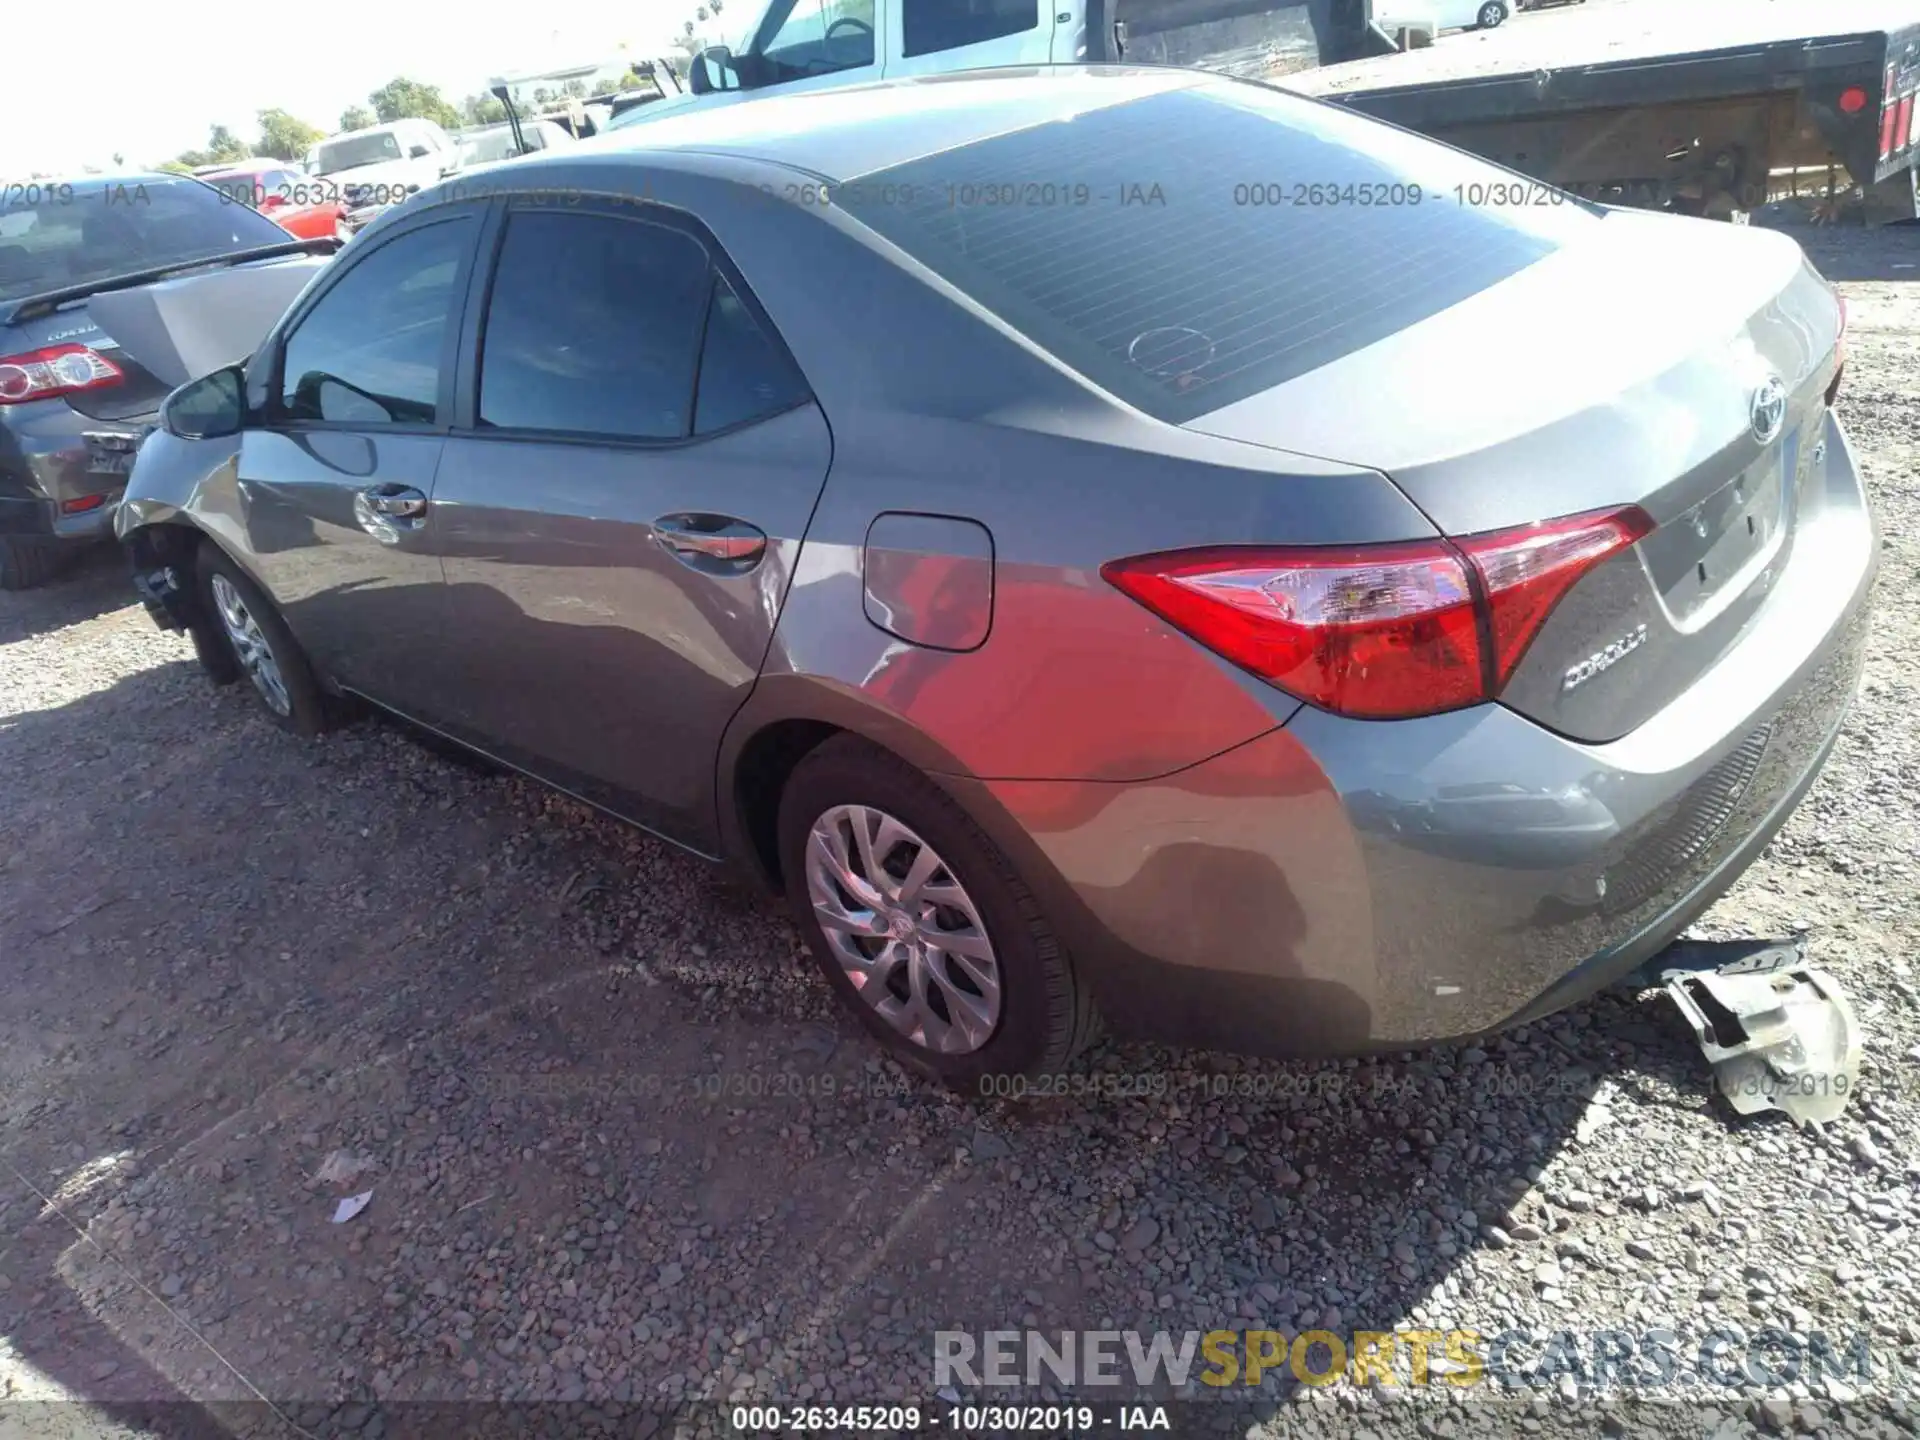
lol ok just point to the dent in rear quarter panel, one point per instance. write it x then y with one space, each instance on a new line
1227 903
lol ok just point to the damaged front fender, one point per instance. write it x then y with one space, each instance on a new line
177 487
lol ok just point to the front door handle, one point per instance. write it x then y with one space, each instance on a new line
717 543
384 510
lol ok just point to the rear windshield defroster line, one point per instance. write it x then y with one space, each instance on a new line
1192 248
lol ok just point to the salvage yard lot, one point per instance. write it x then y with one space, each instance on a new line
622 1145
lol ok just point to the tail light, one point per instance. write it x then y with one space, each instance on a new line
1380 631
1896 121
56 370
1839 352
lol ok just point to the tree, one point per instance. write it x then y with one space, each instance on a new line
356 117
575 88
404 99
175 167
223 148
482 110
119 161
223 145
284 137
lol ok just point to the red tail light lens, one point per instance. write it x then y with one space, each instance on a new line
1853 100
56 370
1379 631
1526 572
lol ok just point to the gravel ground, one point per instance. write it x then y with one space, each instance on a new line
622 1148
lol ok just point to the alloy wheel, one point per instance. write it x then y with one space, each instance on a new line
250 646
903 928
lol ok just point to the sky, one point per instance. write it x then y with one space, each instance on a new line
147 80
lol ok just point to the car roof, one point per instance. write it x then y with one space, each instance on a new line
847 131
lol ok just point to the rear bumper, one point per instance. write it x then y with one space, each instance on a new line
1340 886
55 484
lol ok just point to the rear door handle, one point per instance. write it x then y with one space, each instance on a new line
385 510
711 542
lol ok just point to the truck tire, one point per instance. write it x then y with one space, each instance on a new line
25 562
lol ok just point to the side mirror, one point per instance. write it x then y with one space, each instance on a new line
708 72
418 152
203 409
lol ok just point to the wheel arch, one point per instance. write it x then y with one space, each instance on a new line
785 719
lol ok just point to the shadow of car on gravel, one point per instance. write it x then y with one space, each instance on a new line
590 1084
92 581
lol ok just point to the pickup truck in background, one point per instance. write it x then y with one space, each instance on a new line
368 170
1706 107
1710 107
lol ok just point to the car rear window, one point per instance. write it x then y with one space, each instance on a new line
350 152
86 232
1194 247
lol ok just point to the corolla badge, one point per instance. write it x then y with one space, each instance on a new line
1769 410
1602 660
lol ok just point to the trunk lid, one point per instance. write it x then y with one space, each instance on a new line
166 333
1631 366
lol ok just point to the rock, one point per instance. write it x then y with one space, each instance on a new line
104 1368
1527 1230
172 1286
1640 1250
1774 1415
1142 1233
985 1145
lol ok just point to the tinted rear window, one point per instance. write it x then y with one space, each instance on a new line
352 151
1192 248
81 233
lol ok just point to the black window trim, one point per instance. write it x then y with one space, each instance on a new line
618 206
273 415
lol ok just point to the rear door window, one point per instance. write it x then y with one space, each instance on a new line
372 351
1191 248
616 326
745 375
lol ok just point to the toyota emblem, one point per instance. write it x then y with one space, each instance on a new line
1769 410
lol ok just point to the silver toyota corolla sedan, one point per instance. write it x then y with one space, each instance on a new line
1104 543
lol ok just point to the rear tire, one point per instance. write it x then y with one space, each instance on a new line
1006 1005
25 562
1491 14
263 649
